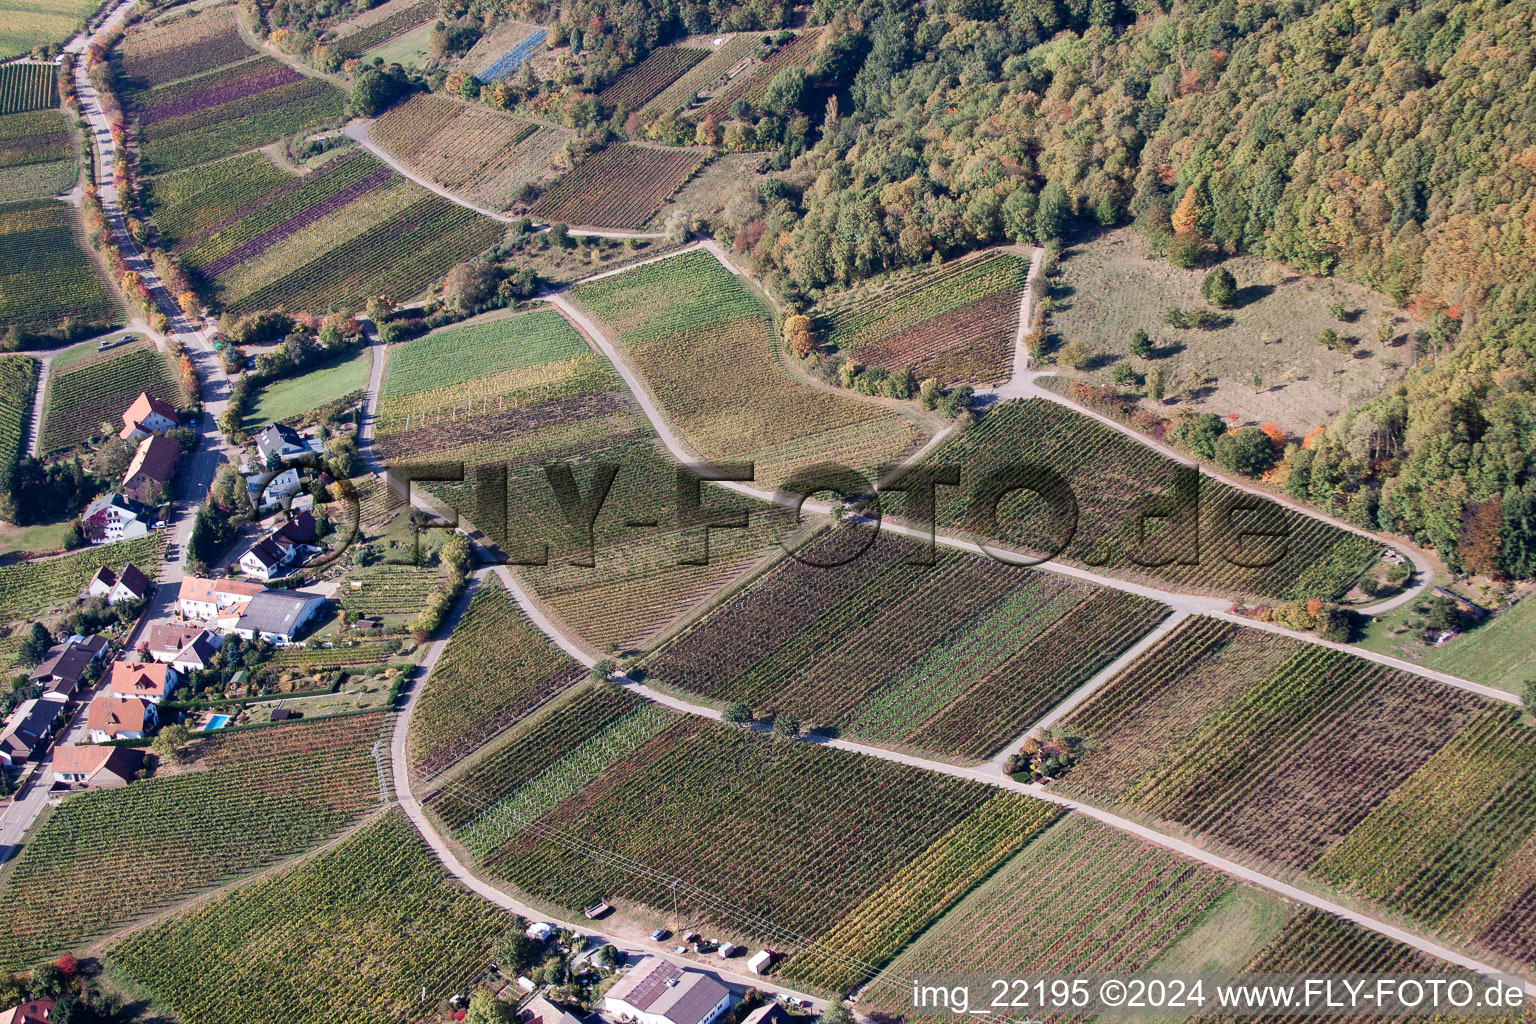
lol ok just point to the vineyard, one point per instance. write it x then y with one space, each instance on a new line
191 204
227 110
28 87
957 323
154 54
396 241
18 385
1081 898
1115 481
955 658
712 69
484 155
510 61
497 668
388 589
45 273
451 357
687 320
318 659
1426 804
382 31
795 834
641 83
256 797
750 85
365 932
37 158
38 586
621 186
96 391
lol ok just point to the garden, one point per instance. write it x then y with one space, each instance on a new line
686 320
621 186
96 390
956 323
370 931
955 658
46 275
496 669
235 802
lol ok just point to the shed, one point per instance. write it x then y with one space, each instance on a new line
761 961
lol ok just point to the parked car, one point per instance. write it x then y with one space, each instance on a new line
659 934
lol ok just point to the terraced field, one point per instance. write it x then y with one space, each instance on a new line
485 156
955 658
46 274
95 391
1427 804
497 668
621 186
956 323
686 319
1225 543
288 787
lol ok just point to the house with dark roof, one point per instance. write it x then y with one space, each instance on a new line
62 672
266 558
113 517
152 469
198 654
30 730
657 991
147 415
128 585
89 767
278 616
119 718
283 441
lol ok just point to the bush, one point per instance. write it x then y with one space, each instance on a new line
1141 345
1199 434
1219 288
1248 451
1074 354
736 713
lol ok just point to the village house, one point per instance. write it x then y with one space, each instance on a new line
539 1010
33 1011
86 767
113 517
283 441
147 415
657 991
197 655
149 475
278 616
215 600
152 680
166 639
269 490
128 585
119 718
266 558
30 730
63 671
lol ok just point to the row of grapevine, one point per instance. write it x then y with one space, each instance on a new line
28 87
46 276
258 796
641 83
153 54
459 354
620 187
34 587
382 31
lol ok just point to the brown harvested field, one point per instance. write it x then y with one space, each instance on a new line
484 155
1114 284
620 187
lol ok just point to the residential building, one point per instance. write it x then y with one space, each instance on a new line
657 991
33 1011
269 491
152 469
539 1010
119 718
63 671
278 616
198 654
149 680
165 640
266 558
283 441
770 1013
29 731
208 600
113 517
147 415
301 529
128 585
95 767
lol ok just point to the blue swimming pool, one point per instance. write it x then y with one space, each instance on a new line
216 722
